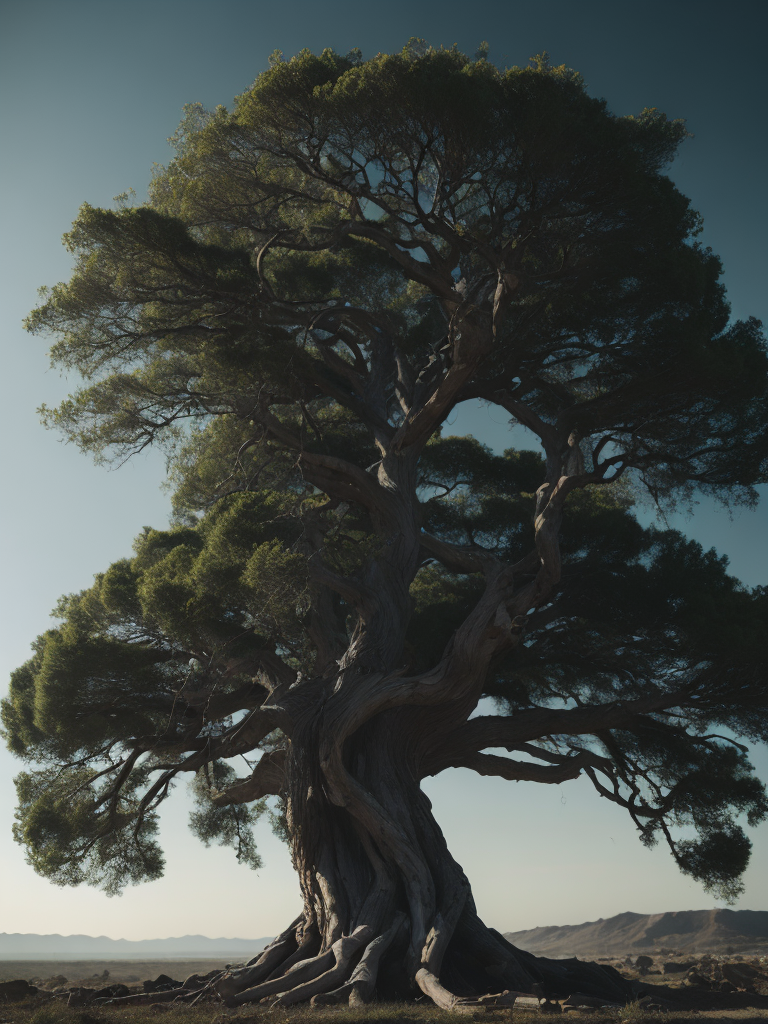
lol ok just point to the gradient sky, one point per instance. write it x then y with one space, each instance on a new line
90 91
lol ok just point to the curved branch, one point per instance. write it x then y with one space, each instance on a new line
636 810
470 344
266 779
524 771
525 415
416 270
345 586
335 476
510 732
240 739
456 558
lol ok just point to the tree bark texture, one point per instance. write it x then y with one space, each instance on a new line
387 910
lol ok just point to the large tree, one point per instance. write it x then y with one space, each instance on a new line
317 280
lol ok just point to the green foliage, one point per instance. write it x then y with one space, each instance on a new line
70 838
715 859
117 669
231 825
170 311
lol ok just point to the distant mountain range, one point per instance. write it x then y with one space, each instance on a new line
23 946
685 930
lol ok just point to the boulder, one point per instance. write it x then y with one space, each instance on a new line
696 979
81 996
162 983
676 967
741 974
196 981
13 991
549 1006
113 992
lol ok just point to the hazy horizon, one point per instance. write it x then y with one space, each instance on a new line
265 939
262 938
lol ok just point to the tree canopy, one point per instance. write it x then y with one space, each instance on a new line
318 279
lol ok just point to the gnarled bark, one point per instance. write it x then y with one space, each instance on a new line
387 910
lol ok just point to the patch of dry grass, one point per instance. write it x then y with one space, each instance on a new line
54 1011
90 972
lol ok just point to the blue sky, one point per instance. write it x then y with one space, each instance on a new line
90 91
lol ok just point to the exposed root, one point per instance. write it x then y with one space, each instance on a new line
458 951
309 947
527 1000
338 974
362 982
261 966
300 973
302 980
343 950
440 996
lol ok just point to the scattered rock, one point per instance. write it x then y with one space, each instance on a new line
196 981
162 983
81 996
112 992
741 975
696 979
549 1006
13 991
676 967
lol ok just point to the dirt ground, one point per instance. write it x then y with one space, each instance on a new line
720 988
89 972
55 1012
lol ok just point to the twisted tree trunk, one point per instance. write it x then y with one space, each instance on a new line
387 910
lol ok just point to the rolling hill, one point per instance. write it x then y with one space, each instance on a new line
27 946
685 930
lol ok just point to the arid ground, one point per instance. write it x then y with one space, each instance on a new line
714 987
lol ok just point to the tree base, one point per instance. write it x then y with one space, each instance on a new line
479 968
